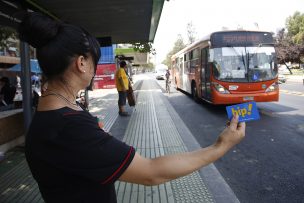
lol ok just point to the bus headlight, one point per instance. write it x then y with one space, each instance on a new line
220 88
273 87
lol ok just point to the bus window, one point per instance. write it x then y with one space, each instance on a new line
261 64
211 55
180 64
195 53
203 64
243 64
176 64
207 67
173 64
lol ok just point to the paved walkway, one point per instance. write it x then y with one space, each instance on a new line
152 132
154 129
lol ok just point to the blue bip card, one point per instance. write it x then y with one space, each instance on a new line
246 111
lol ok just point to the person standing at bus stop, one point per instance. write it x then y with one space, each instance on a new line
7 94
122 85
70 156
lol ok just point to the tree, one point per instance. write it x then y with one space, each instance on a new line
287 50
178 45
191 33
149 66
144 47
290 44
295 27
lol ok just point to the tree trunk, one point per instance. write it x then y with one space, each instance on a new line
288 68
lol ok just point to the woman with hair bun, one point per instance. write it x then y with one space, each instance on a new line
70 157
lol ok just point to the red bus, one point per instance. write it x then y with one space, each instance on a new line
228 67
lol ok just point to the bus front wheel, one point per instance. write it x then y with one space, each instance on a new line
194 92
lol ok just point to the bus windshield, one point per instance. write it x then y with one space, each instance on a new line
244 64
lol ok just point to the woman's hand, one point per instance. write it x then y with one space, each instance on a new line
232 134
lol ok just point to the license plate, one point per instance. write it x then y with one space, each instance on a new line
248 98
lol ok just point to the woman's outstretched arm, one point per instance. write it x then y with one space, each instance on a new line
165 168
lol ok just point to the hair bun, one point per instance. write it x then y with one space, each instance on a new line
38 29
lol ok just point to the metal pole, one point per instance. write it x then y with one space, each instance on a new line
26 84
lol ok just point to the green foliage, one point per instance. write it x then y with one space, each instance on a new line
146 67
290 45
121 51
295 27
145 47
178 45
5 34
150 66
287 50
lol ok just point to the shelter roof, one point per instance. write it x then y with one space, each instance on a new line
124 21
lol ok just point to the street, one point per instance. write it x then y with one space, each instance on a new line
267 166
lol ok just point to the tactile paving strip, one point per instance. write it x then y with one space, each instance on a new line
152 132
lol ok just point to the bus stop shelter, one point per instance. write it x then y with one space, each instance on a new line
111 22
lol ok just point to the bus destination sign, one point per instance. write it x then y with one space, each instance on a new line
223 39
241 38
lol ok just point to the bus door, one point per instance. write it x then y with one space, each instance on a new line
204 71
181 72
186 82
208 67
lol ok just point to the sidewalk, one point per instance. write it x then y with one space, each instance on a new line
154 129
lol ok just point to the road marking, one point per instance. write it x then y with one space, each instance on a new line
292 92
149 90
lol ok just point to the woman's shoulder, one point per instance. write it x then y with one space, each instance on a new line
62 116
63 112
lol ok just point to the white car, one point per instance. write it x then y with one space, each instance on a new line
161 75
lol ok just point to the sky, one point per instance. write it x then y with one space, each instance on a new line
212 15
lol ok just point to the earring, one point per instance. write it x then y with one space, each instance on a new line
83 71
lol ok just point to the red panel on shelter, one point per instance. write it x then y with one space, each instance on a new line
104 78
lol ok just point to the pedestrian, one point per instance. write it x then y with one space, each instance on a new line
167 75
122 85
35 80
69 155
18 81
7 94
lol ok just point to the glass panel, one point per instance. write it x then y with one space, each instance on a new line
195 53
243 64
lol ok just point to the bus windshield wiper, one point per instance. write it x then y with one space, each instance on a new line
243 60
238 54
